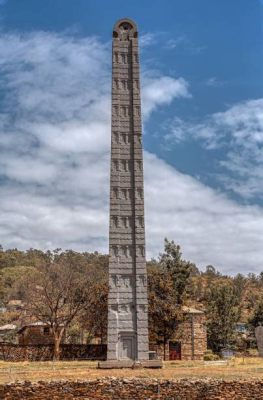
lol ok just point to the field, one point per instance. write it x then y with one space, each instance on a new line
238 368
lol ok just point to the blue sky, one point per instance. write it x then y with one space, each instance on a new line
202 99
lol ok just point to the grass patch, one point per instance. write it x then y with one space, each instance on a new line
236 368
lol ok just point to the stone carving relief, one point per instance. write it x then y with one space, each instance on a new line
142 308
123 193
115 137
124 58
114 280
114 221
114 308
115 165
139 194
125 251
124 280
137 139
114 251
115 193
115 84
124 165
115 111
125 111
125 138
138 165
125 31
142 280
116 57
137 111
124 84
141 251
136 58
140 222
136 85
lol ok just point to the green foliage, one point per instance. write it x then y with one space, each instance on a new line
210 356
178 270
223 312
167 283
257 317
172 282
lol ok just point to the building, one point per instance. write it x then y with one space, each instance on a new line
15 305
189 341
8 333
37 333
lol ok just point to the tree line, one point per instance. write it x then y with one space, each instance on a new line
68 290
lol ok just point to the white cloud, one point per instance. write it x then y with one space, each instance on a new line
55 138
148 39
210 228
213 82
173 43
162 91
239 132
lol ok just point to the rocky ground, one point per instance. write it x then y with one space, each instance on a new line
136 389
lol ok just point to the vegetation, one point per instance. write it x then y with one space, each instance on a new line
69 289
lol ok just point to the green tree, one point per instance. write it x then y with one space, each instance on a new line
223 312
257 316
167 284
178 269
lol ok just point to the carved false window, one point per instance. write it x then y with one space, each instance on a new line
115 164
115 58
124 194
115 137
114 251
115 84
115 111
115 193
114 221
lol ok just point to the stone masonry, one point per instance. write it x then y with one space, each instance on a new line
127 305
130 389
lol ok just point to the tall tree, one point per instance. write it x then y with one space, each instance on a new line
223 312
257 316
57 292
178 269
167 283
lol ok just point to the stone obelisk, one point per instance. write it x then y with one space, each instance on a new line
127 304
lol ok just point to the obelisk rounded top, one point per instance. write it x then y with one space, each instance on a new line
125 27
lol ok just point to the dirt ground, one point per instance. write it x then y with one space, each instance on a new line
248 368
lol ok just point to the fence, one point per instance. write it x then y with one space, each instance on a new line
16 352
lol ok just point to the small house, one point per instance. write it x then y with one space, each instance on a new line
189 341
37 333
7 333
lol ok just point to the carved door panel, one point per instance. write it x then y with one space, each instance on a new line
127 348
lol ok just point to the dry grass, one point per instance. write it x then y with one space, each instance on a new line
237 368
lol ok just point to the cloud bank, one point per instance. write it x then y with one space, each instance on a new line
238 131
54 164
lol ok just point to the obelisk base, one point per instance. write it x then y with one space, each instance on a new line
119 364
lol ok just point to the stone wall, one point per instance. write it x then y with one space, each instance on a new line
13 352
142 389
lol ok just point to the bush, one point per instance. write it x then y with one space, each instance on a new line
210 356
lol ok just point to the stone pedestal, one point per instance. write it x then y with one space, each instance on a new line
130 364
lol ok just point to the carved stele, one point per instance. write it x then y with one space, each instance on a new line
127 317
259 337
